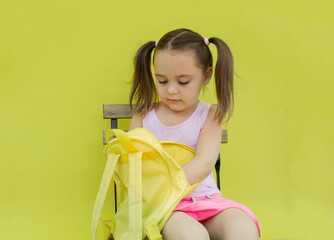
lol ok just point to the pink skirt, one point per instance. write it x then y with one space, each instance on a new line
204 207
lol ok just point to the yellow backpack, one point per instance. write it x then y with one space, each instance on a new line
150 183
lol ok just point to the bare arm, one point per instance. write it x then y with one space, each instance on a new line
207 150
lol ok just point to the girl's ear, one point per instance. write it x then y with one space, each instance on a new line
207 76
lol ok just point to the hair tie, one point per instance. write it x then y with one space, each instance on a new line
206 41
156 43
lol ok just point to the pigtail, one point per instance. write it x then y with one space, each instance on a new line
143 92
224 80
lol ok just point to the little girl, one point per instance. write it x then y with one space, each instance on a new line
169 108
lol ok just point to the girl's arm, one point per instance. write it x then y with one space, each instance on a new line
207 150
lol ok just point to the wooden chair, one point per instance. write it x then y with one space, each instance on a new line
123 111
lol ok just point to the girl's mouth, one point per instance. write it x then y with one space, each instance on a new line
173 100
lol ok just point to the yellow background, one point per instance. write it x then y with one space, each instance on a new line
61 60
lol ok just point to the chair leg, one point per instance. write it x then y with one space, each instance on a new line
114 125
217 167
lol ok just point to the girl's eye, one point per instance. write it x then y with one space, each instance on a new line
184 83
162 82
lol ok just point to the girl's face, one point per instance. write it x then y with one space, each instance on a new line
179 79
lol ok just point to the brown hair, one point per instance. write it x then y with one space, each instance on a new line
144 92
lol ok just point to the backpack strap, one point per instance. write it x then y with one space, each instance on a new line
152 230
135 183
106 178
135 195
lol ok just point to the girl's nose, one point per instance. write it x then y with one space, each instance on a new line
172 89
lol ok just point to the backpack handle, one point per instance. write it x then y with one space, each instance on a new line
123 139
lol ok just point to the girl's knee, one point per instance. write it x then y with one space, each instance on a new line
233 224
239 223
200 234
180 226
185 234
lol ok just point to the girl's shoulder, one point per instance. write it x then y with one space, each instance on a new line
212 109
211 116
137 119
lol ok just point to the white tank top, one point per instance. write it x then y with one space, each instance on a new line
187 133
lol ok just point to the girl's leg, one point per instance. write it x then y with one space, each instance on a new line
231 224
181 226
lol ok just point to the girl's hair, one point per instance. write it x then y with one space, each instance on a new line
144 92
